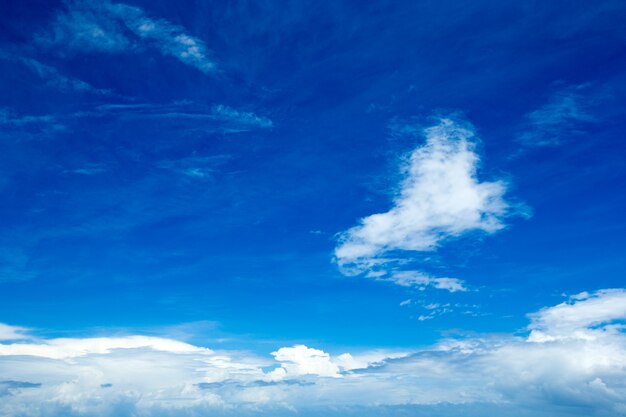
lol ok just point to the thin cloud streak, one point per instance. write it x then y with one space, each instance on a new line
564 115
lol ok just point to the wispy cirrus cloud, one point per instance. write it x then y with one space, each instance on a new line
439 198
241 120
584 367
52 76
186 115
563 115
94 26
222 117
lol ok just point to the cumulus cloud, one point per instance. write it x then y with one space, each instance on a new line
302 360
439 198
586 316
102 26
580 369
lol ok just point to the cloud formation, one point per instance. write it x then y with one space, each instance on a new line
93 26
302 360
576 367
440 197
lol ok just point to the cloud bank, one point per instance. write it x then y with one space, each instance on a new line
572 361
439 198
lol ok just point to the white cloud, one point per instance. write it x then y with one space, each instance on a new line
568 374
102 26
587 316
72 348
439 198
12 332
168 38
421 280
239 120
301 360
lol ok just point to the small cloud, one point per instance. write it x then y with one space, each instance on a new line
421 281
565 114
13 332
86 26
9 118
196 167
197 172
302 360
88 169
239 120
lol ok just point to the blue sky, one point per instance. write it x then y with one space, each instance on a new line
434 189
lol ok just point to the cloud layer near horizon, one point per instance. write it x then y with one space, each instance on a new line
572 359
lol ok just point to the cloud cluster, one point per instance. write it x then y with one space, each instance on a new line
103 26
572 362
439 198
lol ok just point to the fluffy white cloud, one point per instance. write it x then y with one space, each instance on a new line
102 26
586 316
302 360
439 198
579 370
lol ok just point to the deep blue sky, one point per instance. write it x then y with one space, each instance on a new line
172 162
100 228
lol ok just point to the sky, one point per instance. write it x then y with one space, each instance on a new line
312 208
